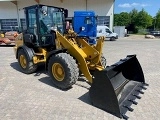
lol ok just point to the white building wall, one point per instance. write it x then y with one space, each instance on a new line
71 5
102 7
8 10
22 4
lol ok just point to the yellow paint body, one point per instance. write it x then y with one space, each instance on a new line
18 43
58 71
87 56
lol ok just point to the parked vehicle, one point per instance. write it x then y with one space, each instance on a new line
105 31
84 24
155 33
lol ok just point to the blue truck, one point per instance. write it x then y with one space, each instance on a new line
85 25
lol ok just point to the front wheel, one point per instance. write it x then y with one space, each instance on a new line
63 70
112 39
26 65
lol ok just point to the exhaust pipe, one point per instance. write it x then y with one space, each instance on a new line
115 88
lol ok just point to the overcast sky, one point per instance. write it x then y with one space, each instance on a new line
151 6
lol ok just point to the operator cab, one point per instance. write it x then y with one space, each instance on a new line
42 22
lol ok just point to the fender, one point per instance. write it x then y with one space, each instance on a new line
53 53
28 51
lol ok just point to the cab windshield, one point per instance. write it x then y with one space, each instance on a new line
50 18
108 31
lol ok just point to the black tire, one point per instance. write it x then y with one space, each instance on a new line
29 67
112 39
69 67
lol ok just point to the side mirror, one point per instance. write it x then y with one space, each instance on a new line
96 17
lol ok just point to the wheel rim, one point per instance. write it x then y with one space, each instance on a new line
23 61
58 71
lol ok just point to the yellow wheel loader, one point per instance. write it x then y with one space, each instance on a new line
113 88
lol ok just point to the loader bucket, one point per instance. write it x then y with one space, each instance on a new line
115 88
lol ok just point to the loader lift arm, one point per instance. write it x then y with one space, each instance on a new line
86 52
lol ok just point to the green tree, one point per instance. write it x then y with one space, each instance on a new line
156 20
144 20
133 16
116 19
122 19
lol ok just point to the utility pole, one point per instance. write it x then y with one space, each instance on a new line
86 5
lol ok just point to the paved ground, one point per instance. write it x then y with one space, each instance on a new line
34 97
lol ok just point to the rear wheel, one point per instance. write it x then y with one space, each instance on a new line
63 70
26 65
